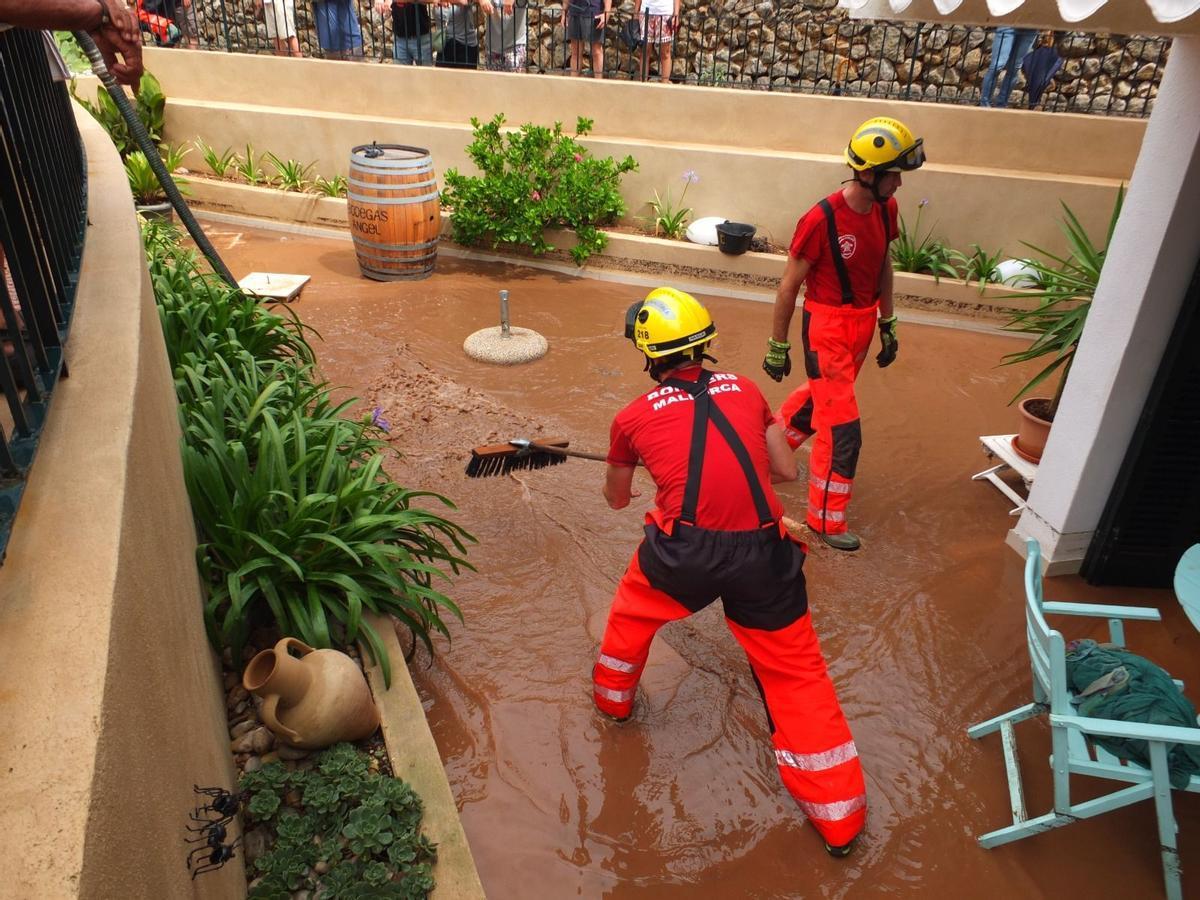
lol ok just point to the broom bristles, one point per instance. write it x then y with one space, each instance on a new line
500 459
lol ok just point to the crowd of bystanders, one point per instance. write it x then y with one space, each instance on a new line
465 33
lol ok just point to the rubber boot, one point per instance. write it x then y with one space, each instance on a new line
843 541
842 851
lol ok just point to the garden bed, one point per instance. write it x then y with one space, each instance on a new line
750 273
375 814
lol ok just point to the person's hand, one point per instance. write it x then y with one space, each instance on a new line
778 362
120 43
601 19
889 344
122 20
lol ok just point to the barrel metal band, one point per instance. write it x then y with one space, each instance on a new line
391 185
391 201
393 259
375 245
393 163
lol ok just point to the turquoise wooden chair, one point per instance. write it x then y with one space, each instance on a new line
1072 749
1187 583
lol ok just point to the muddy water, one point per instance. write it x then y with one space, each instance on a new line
922 628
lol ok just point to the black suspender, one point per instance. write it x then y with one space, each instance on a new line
705 409
835 250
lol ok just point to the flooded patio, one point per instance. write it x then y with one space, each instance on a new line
923 628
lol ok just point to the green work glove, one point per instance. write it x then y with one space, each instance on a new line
890 345
777 363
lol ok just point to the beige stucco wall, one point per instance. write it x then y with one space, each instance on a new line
109 695
995 176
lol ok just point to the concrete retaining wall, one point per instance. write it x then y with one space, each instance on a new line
995 176
109 694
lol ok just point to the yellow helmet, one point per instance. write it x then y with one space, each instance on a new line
881 144
668 321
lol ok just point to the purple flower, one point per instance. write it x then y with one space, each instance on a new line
379 421
690 176
924 202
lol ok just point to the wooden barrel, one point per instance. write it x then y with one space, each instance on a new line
394 212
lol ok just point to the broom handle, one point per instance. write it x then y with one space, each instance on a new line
566 451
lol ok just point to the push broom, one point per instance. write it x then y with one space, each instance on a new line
521 453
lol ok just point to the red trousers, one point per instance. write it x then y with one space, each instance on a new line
814 749
836 340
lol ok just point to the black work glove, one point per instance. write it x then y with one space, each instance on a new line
778 363
890 344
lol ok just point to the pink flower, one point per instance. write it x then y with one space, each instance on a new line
578 157
536 195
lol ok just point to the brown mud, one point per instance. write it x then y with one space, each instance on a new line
923 628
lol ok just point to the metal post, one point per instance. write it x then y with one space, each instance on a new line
912 61
504 329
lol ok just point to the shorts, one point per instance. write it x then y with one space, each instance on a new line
280 18
511 61
660 29
337 25
582 27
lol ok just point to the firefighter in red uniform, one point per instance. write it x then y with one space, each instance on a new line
713 447
846 291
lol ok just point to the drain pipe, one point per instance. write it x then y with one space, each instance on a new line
138 130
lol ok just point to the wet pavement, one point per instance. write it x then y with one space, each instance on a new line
923 628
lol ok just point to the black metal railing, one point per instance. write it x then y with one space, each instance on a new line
43 213
799 49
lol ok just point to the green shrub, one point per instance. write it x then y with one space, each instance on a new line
149 104
298 521
669 218
534 178
219 162
290 174
364 826
978 265
912 252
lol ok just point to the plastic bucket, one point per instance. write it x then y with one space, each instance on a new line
734 237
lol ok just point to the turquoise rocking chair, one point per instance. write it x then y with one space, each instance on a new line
1072 747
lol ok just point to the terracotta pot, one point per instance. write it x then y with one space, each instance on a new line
1033 431
313 700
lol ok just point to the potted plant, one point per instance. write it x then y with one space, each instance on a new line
1064 293
148 195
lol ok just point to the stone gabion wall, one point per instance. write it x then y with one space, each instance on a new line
799 45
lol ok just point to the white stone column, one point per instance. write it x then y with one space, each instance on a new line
1149 264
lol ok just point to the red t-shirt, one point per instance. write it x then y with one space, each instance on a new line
863 247
657 429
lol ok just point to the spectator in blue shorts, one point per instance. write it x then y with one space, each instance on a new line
338 31
585 22
412 40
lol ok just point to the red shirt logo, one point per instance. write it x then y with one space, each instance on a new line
847 243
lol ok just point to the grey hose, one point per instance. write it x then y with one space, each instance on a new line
138 130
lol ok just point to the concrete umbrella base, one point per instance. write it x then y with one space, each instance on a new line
491 345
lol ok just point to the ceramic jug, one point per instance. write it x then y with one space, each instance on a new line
312 700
